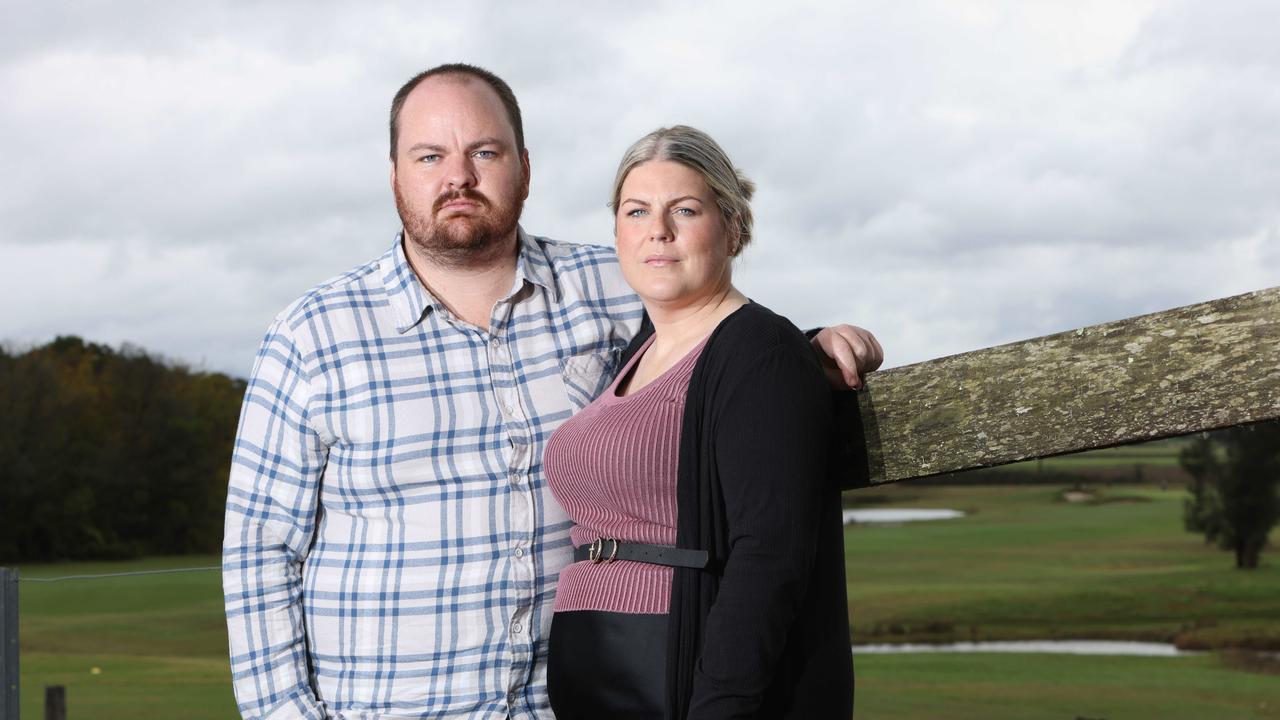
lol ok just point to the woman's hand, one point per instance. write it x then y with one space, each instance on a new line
847 352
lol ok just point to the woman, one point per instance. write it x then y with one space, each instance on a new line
709 573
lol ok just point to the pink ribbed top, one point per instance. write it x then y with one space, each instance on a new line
612 467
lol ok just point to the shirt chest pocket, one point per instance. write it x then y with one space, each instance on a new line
586 376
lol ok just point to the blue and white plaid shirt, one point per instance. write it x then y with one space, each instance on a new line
391 545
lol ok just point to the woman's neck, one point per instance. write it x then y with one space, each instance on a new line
682 327
677 330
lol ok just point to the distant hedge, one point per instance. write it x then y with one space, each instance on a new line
1027 473
111 453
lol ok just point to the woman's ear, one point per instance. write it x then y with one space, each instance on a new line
735 235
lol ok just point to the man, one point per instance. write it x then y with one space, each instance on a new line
391 547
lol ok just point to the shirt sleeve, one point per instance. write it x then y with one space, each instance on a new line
276 468
771 443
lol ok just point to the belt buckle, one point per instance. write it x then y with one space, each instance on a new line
596 553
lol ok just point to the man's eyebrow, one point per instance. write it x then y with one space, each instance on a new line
482 142
426 146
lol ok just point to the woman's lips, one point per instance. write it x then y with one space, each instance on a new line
660 261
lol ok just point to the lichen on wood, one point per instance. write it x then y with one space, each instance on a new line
1193 368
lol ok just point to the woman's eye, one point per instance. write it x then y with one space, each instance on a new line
683 211
637 212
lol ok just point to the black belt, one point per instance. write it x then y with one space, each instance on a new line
606 550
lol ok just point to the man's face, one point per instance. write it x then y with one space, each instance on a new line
458 179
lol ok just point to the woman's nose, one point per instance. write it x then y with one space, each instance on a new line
660 228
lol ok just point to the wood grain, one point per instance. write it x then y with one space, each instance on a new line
1193 368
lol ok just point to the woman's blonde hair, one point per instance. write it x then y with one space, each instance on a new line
697 151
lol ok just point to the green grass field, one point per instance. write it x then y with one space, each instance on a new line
1059 687
1022 564
158 642
1025 564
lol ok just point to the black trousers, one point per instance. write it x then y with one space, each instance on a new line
607 665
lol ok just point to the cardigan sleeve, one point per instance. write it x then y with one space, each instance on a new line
771 440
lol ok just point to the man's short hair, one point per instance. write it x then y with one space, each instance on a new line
499 86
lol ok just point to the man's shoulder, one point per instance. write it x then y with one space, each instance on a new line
584 271
570 256
359 285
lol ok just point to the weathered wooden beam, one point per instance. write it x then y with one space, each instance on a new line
1193 368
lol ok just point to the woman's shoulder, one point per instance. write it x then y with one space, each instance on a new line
752 334
753 329
759 349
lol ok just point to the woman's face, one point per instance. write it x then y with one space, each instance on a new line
673 243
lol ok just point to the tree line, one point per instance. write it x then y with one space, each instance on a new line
111 454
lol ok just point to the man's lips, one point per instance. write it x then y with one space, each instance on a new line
459 205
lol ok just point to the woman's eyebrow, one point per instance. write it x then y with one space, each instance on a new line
680 199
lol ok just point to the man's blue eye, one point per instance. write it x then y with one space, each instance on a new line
429 158
486 154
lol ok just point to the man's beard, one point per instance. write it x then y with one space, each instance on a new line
461 240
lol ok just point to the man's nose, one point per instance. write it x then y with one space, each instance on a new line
460 172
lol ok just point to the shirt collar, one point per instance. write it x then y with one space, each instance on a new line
411 301
534 266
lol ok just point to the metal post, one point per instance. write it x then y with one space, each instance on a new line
55 702
8 644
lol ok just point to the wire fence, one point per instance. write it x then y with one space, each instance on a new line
134 573
10 579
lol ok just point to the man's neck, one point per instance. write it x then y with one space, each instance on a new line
468 290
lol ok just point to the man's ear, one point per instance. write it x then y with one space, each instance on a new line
393 176
526 170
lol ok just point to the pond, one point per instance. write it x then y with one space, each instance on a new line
861 516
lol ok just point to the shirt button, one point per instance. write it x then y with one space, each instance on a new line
516 627
519 552
496 342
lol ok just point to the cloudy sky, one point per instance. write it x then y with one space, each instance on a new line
952 175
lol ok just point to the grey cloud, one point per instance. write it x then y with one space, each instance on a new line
950 175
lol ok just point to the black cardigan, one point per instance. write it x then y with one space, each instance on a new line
764 631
